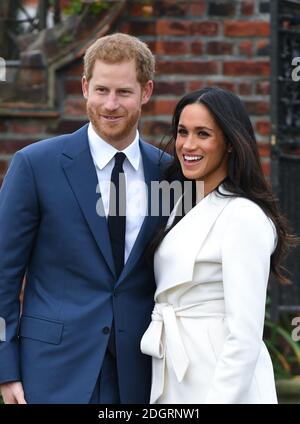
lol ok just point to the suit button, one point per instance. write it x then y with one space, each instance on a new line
105 330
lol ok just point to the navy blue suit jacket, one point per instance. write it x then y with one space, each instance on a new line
50 231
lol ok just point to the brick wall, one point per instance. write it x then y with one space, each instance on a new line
197 43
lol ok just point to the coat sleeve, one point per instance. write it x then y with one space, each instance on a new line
246 249
19 218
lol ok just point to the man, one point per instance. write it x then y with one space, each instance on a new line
89 287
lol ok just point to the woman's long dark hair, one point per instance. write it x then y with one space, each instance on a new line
245 177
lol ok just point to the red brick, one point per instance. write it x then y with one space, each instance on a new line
140 10
173 27
245 88
75 107
126 27
251 68
136 9
171 47
197 7
165 107
143 27
169 87
247 7
246 29
266 167
221 8
246 48
27 126
257 107
219 48
263 87
197 47
12 145
195 85
74 70
65 126
263 48
226 85
264 150
73 87
205 28
172 8
156 128
263 127
160 107
198 68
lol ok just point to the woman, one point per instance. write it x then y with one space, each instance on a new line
212 265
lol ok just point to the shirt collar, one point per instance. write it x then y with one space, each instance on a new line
102 152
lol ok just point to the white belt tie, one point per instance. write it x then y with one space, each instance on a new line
164 317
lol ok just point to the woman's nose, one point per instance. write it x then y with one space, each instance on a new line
189 143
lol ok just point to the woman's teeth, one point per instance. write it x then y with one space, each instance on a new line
192 158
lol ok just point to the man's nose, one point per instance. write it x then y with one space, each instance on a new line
112 102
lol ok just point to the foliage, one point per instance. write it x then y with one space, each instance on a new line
78 6
284 351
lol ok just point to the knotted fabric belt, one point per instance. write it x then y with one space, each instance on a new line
163 332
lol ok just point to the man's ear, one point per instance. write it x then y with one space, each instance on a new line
85 87
147 90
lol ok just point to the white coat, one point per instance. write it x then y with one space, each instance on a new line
205 337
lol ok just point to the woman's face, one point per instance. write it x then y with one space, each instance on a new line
201 147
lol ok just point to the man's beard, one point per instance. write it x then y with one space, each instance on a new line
111 134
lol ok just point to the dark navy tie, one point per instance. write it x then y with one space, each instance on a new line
117 212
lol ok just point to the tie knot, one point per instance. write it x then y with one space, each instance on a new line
119 159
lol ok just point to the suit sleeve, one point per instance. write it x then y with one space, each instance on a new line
246 249
19 218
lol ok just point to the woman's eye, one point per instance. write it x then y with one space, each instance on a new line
203 134
181 131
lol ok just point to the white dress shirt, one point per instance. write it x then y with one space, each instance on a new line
103 156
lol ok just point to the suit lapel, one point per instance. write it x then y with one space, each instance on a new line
80 171
185 241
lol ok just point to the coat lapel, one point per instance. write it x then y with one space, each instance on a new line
80 171
184 241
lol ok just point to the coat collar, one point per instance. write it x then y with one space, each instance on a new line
187 236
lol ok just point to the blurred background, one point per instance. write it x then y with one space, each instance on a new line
247 46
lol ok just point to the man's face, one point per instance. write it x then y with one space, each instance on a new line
114 101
